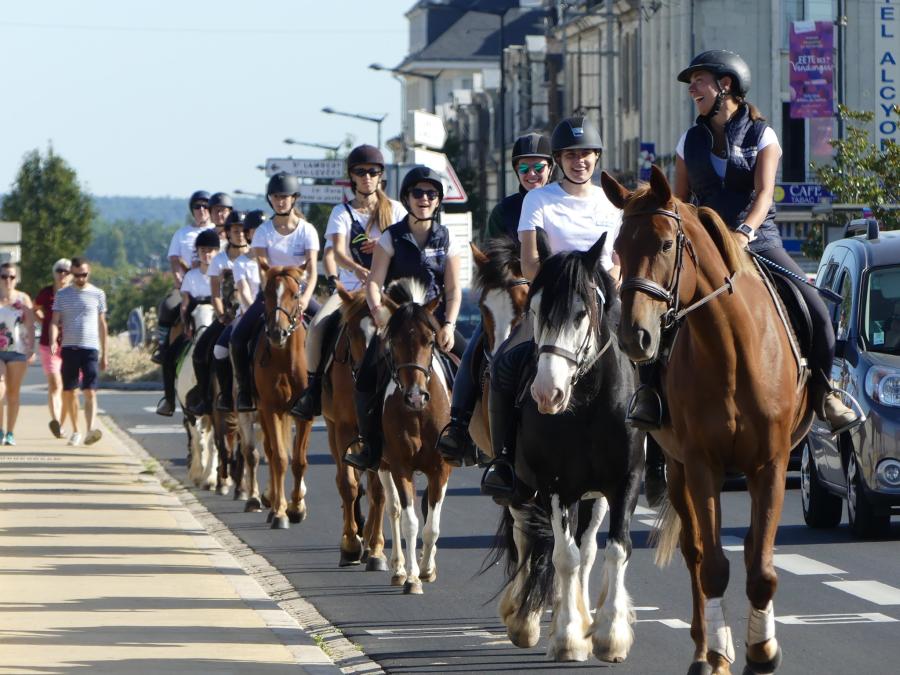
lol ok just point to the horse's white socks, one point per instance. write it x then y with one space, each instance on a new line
220 352
761 625
718 634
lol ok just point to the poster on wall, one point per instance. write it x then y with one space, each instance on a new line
812 69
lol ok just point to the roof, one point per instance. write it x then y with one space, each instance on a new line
875 252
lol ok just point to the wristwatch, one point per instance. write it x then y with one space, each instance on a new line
745 229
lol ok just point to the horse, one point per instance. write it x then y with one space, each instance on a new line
362 539
736 398
203 458
575 449
416 408
226 430
279 371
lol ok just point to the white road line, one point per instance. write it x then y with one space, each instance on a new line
827 619
671 623
873 591
647 522
154 429
800 564
730 543
643 511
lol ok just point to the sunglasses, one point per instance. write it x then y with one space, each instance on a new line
419 193
61 271
80 275
7 276
537 167
367 172
197 207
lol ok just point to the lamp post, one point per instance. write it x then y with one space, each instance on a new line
409 73
330 148
368 118
245 193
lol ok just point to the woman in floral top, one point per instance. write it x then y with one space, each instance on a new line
16 346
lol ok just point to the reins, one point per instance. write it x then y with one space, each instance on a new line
294 316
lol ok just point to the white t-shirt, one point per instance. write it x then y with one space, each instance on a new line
219 263
196 284
182 244
572 223
245 267
721 163
290 250
339 222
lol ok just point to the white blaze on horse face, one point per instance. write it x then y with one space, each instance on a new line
367 326
500 305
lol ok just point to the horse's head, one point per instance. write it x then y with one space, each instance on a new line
282 298
568 299
410 341
202 315
651 247
358 324
229 294
503 290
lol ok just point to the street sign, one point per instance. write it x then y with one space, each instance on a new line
453 189
10 232
460 227
307 168
324 194
801 193
427 129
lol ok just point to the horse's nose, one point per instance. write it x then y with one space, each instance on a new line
548 402
416 399
644 339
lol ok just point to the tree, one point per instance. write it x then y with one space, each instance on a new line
55 215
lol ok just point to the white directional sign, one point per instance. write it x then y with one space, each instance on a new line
453 189
460 227
427 129
324 194
308 168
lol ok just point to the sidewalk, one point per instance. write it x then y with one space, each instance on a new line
103 571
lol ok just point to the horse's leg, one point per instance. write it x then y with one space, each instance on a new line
211 465
271 437
409 526
373 532
250 452
570 618
296 511
766 488
398 562
524 630
195 470
348 489
437 490
278 468
591 513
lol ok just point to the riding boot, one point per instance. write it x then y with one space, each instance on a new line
829 406
241 360
654 474
224 375
454 442
199 396
309 403
499 479
367 456
166 405
159 355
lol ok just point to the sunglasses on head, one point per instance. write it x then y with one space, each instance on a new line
7 276
60 270
366 172
419 193
537 167
80 275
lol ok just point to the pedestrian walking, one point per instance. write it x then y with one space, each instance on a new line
16 347
52 363
80 311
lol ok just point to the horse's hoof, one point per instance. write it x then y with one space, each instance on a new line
700 668
428 576
398 580
569 653
222 490
280 523
365 556
240 495
350 559
265 501
412 587
754 668
252 506
296 516
270 516
376 563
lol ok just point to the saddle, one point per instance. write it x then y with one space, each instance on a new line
793 311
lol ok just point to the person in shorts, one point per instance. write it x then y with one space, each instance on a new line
80 311
52 363
16 347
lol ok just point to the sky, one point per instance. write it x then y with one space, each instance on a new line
163 98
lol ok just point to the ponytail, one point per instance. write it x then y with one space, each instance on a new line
752 111
383 213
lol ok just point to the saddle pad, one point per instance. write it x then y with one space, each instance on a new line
796 309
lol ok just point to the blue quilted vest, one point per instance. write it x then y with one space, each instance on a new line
426 264
511 210
357 238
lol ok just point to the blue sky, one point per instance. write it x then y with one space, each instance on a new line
164 98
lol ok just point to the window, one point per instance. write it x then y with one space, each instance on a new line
882 312
845 310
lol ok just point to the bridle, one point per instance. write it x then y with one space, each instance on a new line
518 281
395 368
294 316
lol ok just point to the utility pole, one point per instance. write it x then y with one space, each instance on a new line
501 184
609 110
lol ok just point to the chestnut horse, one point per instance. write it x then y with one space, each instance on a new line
362 539
736 398
416 408
279 366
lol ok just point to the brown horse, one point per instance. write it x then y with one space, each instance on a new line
736 400
226 431
362 538
279 365
416 408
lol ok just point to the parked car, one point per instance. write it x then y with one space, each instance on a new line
469 313
862 466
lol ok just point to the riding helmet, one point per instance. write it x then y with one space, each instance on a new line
283 183
418 174
365 154
207 238
576 133
531 145
198 196
236 218
254 219
221 199
721 62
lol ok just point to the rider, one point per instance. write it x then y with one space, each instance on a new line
286 240
194 288
182 257
728 160
220 207
353 230
573 213
224 260
532 160
418 246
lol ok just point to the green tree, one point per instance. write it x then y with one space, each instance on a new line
55 215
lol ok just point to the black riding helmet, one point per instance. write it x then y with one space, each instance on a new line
221 199
200 196
418 174
576 133
236 218
365 154
532 145
254 219
721 62
282 183
208 239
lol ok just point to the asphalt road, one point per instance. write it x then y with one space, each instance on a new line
838 604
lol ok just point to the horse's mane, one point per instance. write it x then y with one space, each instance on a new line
504 265
356 306
559 275
407 289
409 294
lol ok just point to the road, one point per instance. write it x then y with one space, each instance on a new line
838 604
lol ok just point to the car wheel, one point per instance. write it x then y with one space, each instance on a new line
820 507
864 522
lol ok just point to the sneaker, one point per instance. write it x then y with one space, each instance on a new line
55 429
10 439
93 436
74 439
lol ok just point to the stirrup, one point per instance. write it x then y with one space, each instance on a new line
501 494
355 459
857 408
460 456
640 422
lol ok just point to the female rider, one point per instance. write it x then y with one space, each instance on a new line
417 246
353 230
727 160
287 240
532 160
573 214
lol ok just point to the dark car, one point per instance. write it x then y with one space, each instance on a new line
469 313
861 466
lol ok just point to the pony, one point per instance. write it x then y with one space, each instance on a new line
416 408
362 539
736 398
226 431
575 449
279 371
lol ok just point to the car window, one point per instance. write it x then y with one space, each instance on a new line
845 309
881 316
828 272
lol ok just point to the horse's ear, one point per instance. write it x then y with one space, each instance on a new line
344 294
433 304
543 244
617 193
480 258
659 185
594 253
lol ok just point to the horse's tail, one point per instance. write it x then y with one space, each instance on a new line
665 534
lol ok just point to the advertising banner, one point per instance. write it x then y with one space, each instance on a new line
812 69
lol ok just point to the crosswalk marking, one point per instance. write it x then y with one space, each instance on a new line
801 565
828 619
873 591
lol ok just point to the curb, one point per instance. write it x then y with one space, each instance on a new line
317 630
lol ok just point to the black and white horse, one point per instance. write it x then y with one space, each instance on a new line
574 448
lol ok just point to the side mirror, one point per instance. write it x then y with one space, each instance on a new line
840 347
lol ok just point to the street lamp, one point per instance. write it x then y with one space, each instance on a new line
409 73
330 148
368 118
245 193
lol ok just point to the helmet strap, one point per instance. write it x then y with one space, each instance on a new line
717 105
576 182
